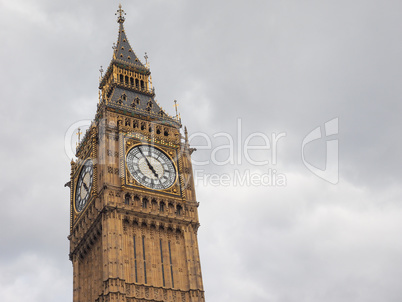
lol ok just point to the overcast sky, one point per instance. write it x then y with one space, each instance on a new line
273 67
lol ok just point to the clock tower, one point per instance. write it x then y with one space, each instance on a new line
133 209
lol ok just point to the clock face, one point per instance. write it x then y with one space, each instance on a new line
84 186
151 167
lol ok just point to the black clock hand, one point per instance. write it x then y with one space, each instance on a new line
143 155
163 186
149 164
85 187
152 168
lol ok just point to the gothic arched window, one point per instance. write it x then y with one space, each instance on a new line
127 199
145 203
179 210
162 206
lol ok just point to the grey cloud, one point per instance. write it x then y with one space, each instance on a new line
280 66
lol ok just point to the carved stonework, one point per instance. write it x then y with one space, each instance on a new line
133 241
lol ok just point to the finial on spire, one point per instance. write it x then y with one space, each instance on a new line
101 71
150 83
79 136
146 60
120 13
185 135
175 106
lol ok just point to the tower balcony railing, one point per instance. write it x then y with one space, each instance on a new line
138 87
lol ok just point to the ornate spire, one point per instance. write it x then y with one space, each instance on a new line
122 49
127 84
120 13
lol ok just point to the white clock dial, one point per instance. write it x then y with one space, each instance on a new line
84 186
151 167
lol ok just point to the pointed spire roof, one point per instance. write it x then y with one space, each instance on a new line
123 52
128 88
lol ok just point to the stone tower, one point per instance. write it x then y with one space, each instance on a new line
134 219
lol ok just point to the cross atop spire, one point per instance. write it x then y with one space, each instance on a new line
121 14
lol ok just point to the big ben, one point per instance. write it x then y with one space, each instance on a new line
133 208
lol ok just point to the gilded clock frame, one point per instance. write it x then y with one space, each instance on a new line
161 150
77 176
87 150
171 152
